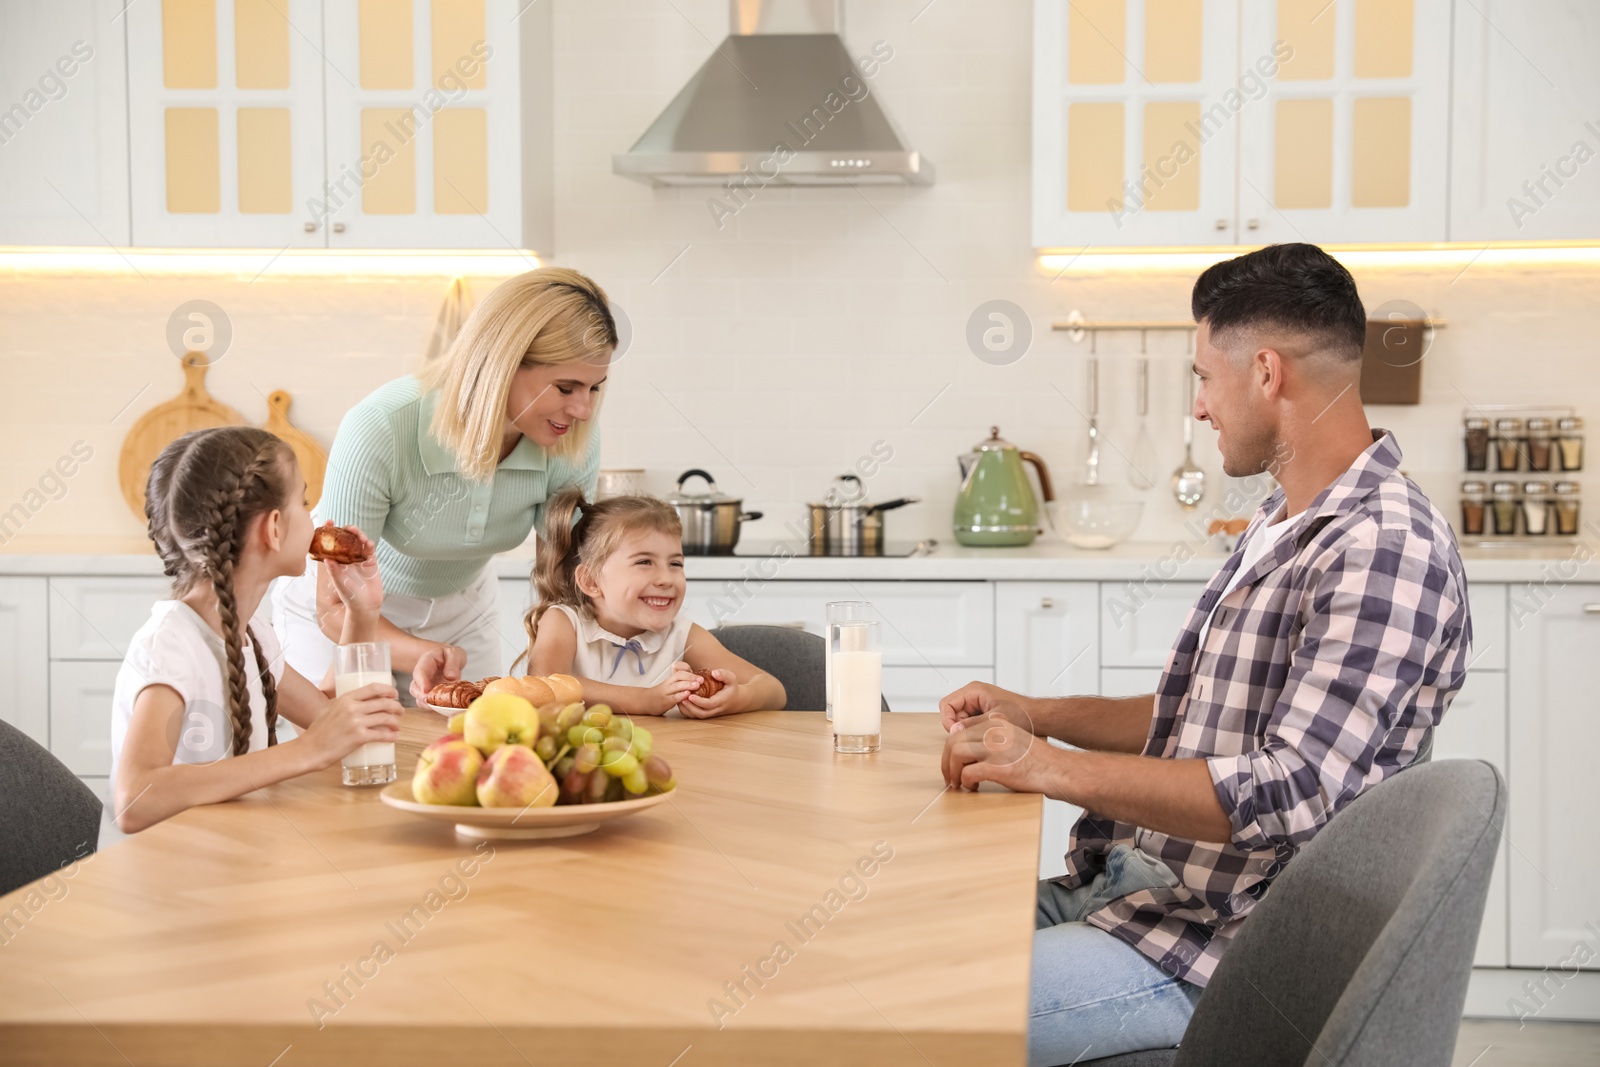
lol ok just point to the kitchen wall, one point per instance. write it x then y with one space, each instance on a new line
773 349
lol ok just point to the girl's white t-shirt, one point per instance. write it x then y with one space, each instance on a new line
176 648
641 661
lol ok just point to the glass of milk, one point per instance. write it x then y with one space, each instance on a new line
857 654
355 666
838 611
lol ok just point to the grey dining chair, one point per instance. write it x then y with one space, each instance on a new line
1361 950
792 656
48 818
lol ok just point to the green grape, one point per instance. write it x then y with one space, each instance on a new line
643 742
618 764
583 735
587 758
599 715
619 727
563 767
545 748
595 792
569 716
635 781
614 790
616 744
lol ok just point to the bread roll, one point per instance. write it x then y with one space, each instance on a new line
565 688
530 688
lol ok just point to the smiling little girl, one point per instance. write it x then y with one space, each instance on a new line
611 590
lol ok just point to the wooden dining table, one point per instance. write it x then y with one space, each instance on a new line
787 905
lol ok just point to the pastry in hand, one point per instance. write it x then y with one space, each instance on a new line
710 686
454 694
338 544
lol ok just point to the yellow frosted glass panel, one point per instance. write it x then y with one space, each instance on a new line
461 161
1303 167
1097 41
194 186
1172 40
1384 38
265 187
189 44
1307 27
1094 157
1171 156
384 28
458 42
260 44
389 145
1380 152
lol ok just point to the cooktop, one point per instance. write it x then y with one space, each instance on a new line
891 550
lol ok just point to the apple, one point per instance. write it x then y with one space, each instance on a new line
458 723
514 777
447 772
496 719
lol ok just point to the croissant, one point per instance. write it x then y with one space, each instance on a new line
710 686
337 544
454 694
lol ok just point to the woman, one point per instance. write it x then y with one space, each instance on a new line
449 467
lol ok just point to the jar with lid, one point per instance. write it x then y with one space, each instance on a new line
1474 495
1536 507
1569 442
1539 446
1566 507
1505 508
1507 444
1475 436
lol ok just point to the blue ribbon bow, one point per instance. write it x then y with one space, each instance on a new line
632 645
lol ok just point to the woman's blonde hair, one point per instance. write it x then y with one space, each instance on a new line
564 546
552 315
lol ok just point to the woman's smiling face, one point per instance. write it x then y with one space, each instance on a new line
547 399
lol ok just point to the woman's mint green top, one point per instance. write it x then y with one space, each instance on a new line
435 529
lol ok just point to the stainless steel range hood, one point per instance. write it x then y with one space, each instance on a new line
780 101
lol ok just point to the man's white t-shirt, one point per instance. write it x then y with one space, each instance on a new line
176 648
1256 546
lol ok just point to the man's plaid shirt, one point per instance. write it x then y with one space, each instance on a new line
1321 674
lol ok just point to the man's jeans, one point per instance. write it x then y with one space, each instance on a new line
1094 995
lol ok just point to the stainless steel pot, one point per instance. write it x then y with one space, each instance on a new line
845 524
711 520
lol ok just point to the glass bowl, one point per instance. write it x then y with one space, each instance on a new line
1094 521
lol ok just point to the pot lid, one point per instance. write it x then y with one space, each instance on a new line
994 443
712 494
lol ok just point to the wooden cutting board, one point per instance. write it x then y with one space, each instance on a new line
192 409
313 461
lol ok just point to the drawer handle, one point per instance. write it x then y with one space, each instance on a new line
1591 609
1046 603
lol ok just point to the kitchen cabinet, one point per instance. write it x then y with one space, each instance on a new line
94 618
515 597
63 125
1555 853
914 689
1475 727
1207 122
80 714
304 124
1524 132
24 657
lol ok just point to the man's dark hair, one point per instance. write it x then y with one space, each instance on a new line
1296 288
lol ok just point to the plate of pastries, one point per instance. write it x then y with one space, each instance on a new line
448 698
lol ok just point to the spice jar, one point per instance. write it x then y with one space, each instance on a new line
1536 507
1473 507
1505 508
1539 443
1569 442
1507 444
1566 507
1475 433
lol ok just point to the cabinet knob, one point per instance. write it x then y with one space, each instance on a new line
1252 224
1222 224
311 227
338 227
1046 603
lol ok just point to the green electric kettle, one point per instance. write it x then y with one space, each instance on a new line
996 505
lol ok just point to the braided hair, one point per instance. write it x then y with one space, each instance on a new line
204 491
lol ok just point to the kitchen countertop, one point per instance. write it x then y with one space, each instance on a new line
1045 560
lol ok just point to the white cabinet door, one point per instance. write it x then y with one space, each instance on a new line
1525 131
63 130
921 688
515 596
1350 142
1129 681
1135 118
1487 601
1554 710
80 715
95 618
1139 623
425 123
925 624
1475 728
25 657
225 123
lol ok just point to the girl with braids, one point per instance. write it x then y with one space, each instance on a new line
610 590
204 677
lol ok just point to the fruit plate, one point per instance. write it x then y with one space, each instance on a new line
446 712
519 824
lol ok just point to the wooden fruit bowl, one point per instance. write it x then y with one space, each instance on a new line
519 824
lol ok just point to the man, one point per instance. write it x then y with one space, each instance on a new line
1313 666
